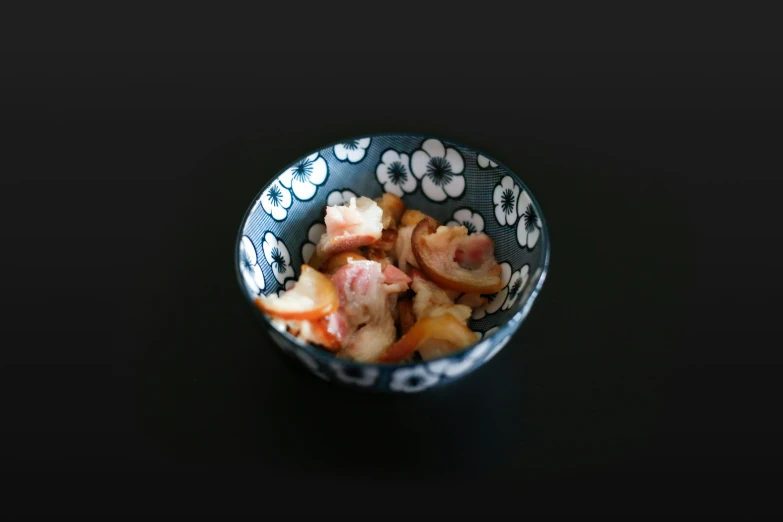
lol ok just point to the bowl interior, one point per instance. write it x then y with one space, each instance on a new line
447 180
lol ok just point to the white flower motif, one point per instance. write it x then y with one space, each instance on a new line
303 177
248 265
255 205
354 374
482 335
495 300
469 219
286 287
498 347
506 197
529 226
515 285
480 350
339 197
313 236
484 162
491 331
277 256
310 363
449 368
439 169
412 380
352 151
394 173
276 200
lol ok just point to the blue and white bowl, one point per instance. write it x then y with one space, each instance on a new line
447 180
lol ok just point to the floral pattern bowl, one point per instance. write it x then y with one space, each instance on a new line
449 181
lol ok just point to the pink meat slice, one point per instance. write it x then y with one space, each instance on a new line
366 302
395 280
473 250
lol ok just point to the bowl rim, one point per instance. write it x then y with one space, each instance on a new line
527 298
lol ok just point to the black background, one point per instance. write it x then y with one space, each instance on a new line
649 355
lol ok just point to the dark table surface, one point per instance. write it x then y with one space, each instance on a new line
126 345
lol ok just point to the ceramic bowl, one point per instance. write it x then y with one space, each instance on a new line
447 180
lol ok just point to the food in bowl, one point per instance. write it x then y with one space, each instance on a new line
388 284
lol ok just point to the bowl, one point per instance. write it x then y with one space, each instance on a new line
445 179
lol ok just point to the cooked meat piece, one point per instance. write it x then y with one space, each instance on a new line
455 260
351 226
